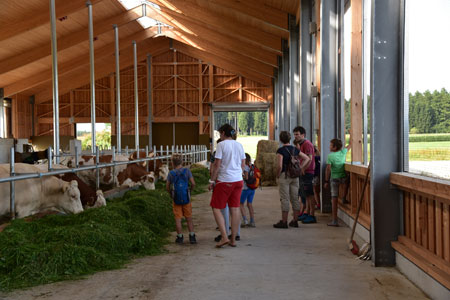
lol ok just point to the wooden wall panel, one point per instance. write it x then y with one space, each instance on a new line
182 89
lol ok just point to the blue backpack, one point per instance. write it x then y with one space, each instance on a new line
180 192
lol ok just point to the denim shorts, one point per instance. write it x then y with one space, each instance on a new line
335 183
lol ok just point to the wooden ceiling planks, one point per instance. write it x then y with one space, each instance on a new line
224 26
23 22
190 29
268 20
100 27
289 6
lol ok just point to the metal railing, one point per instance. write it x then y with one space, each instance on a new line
191 154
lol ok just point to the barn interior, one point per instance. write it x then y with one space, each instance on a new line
156 72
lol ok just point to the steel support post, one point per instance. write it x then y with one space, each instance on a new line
386 127
305 61
118 119
136 99
294 75
287 89
12 185
340 111
281 101
149 100
55 80
328 75
92 74
276 104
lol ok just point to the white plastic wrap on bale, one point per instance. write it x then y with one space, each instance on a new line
5 145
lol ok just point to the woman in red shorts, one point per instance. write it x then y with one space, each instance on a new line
227 183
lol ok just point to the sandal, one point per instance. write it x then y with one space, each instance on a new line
221 244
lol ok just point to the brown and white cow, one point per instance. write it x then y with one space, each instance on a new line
38 194
161 170
134 175
89 197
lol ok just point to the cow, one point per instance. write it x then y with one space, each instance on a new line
30 157
161 170
89 197
38 194
106 175
134 175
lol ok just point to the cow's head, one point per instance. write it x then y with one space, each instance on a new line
101 201
148 181
163 172
71 202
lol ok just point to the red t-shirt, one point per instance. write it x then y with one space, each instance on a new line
308 148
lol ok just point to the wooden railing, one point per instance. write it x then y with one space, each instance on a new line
356 183
426 223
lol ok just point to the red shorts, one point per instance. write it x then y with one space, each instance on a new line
227 192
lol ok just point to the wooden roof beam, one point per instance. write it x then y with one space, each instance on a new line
44 50
46 76
222 63
192 29
209 47
268 15
103 67
26 23
225 25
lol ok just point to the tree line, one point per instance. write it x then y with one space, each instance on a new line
248 123
429 112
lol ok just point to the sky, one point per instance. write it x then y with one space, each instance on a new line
428 46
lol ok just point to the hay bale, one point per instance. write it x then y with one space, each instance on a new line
267 146
267 163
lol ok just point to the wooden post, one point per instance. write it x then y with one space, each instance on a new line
356 81
200 98
240 89
211 97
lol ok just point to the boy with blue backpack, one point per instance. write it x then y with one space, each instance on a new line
177 185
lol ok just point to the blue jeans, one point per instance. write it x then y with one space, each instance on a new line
226 215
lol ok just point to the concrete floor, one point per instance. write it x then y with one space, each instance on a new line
310 262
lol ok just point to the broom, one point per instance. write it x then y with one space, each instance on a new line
352 245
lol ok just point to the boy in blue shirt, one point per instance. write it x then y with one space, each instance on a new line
177 185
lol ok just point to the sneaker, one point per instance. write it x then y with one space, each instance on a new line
244 224
302 217
192 239
280 224
293 223
333 223
252 224
179 240
218 238
309 220
238 238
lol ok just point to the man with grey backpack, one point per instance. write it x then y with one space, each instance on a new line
290 168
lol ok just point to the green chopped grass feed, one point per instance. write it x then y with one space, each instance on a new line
58 247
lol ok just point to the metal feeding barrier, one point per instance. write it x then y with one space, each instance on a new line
191 154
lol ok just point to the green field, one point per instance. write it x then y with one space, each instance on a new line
250 143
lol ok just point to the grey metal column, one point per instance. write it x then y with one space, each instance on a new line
92 73
328 75
280 95
294 71
340 111
150 104
136 99
55 81
118 119
276 101
386 124
304 114
286 89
